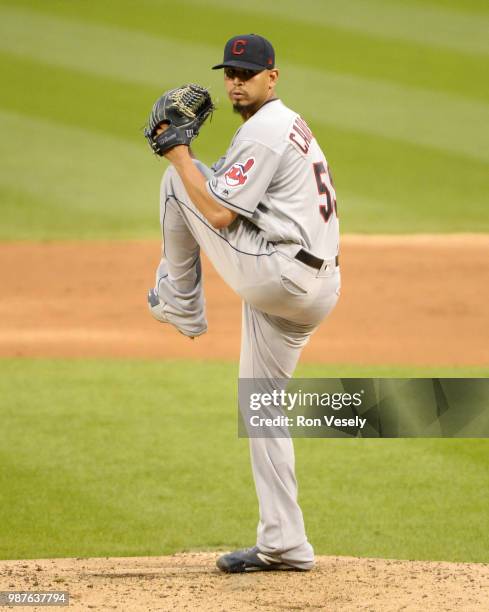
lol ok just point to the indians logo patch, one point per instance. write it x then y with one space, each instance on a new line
237 175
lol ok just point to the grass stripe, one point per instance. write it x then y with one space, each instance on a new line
446 25
74 98
403 188
95 184
77 180
477 7
384 183
310 370
112 52
141 457
311 44
428 25
430 119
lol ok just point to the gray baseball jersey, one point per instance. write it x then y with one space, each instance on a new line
275 174
276 177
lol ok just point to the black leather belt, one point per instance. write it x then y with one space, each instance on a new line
312 260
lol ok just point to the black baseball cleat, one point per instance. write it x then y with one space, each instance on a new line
251 560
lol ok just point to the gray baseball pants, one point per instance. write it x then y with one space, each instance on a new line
284 301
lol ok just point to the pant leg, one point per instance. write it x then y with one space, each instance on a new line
179 282
235 252
270 349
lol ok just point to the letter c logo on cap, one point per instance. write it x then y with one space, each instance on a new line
238 47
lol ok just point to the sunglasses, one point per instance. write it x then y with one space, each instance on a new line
242 73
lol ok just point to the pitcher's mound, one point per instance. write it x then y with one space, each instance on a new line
191 582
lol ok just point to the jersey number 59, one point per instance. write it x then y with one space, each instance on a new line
326 210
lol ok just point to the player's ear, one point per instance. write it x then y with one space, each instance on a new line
273 75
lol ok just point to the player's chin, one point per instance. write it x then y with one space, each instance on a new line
238 107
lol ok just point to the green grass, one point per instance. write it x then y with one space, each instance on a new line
127 457
396 93
139 457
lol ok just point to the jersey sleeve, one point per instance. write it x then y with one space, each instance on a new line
216 166
244 177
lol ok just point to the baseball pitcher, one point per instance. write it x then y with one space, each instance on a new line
265 215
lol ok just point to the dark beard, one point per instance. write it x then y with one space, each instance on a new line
238 108
245 110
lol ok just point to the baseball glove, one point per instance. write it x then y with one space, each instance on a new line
184 109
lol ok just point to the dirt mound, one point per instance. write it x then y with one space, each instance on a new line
405 300
191 582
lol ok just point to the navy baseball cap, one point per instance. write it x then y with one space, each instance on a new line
249 51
